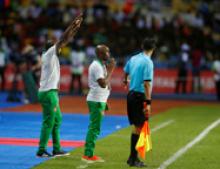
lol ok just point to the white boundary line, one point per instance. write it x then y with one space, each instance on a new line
82 166
162 125
179 153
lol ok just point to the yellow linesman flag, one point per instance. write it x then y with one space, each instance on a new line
144 143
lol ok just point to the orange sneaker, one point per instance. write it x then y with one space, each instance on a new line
92 159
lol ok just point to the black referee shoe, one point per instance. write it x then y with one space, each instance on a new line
43 154
60 153
135 163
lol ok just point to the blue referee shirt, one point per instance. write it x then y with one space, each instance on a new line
140 69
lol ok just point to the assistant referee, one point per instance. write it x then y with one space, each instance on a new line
139 69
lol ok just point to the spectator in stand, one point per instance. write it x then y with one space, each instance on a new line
36 68
30 67
17 60
181 81
196 67
77 60
216 69
125 22
2 68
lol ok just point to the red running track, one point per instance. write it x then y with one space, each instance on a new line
34 142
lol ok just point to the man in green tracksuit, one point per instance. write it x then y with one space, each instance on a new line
98 79
48 92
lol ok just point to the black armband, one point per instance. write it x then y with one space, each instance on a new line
148 102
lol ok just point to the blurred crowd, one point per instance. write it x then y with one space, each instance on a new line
188 31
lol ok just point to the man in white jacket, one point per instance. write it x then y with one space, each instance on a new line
48 92
100 73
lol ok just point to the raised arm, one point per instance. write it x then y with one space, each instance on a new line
69 33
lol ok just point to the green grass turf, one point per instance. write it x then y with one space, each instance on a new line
188 123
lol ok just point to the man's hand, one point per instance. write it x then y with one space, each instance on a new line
126 81
111 65
75 25
69 33
147 110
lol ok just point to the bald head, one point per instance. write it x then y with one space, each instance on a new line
102 52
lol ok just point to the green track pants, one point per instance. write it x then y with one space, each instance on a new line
52 119
96 110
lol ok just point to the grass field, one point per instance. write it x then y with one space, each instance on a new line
171 131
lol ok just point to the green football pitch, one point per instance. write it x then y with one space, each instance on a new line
182 138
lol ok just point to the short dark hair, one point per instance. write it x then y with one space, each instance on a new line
149 43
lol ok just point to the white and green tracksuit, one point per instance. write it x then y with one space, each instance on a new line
96 101
48 97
